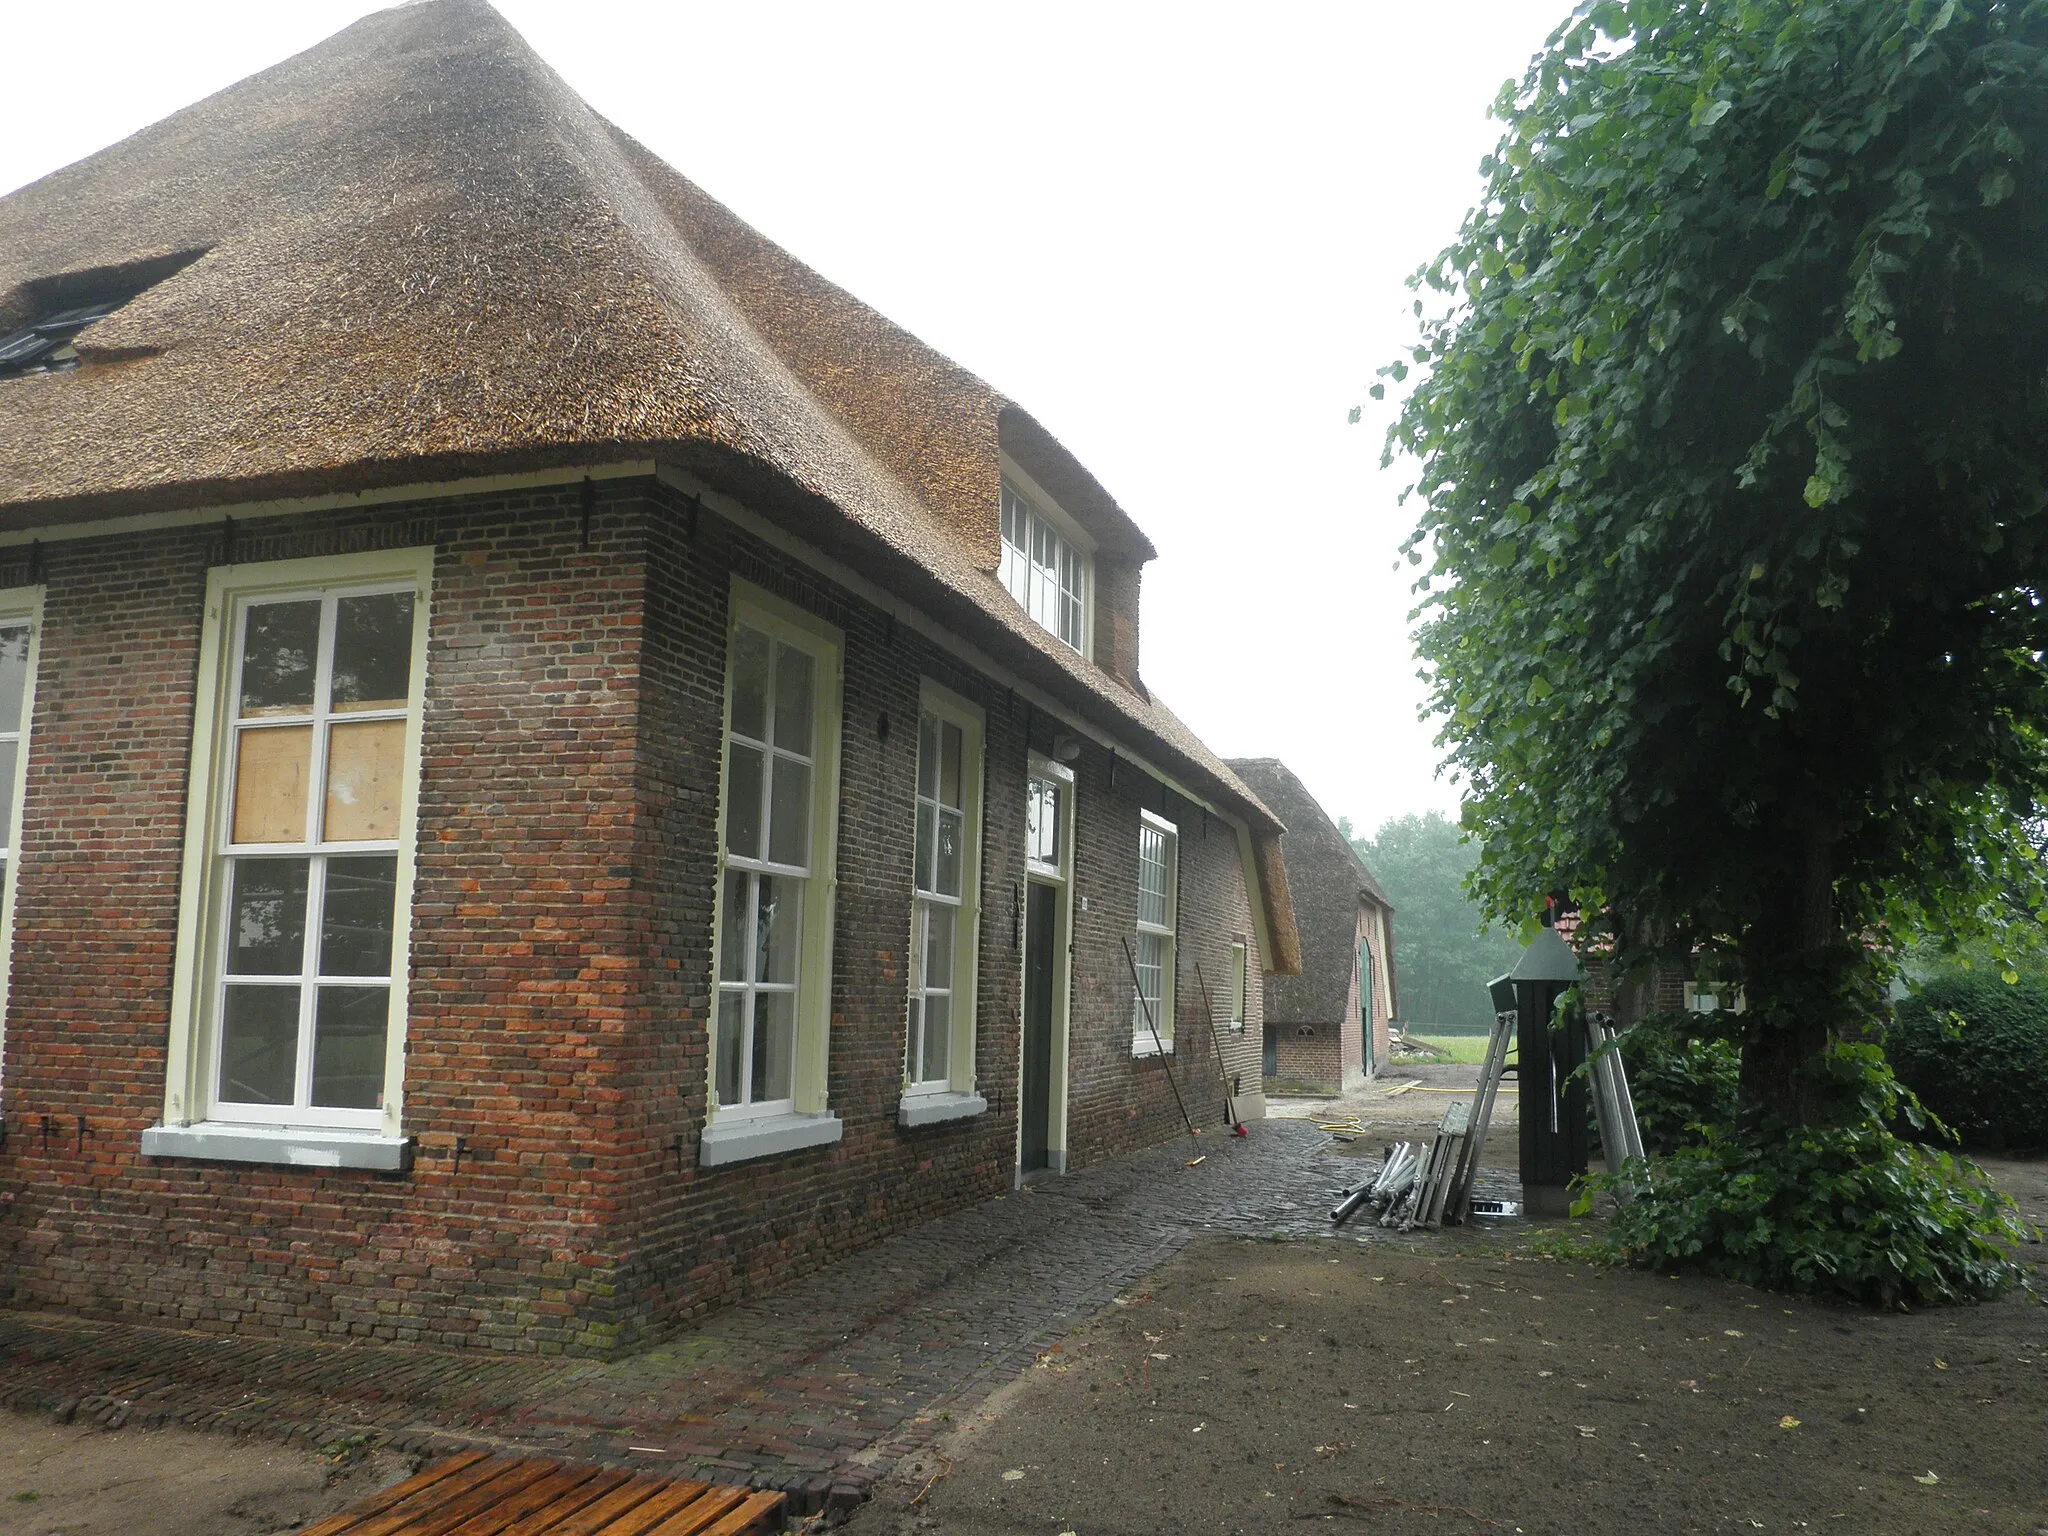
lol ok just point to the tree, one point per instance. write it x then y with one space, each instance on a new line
1733 447
1447 950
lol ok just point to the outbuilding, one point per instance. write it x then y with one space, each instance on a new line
1327 1024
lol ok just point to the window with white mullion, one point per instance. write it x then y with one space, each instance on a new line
1044 570
14 644
322 690
769 772
941 854
1158 848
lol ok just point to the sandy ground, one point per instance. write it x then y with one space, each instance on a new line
77 1481
1460 1382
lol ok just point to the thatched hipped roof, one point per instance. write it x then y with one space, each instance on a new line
412 254
1327 880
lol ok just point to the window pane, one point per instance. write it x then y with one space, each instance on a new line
794 685
357 919
267 917
925 816
280 650
271 769
732 1007
13 674
10 752
938 1029
789 819
364 761
774 1044
348 1047
949 765
750 684
732 937
372 652
946 879
777 929
938 947
1042 817
928 756
259 1045
743 801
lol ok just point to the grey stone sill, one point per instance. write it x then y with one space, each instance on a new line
739 1140
220 1142
1140 1049
932 1108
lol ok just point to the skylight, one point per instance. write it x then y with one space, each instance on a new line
44 346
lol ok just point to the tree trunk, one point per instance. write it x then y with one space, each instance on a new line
1799 962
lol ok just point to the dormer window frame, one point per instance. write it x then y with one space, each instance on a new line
1020 493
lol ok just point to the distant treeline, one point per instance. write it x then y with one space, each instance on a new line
1443 955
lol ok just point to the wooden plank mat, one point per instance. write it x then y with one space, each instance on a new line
476 1494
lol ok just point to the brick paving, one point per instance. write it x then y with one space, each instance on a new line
816 1389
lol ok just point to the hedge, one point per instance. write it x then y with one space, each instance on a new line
1974 1047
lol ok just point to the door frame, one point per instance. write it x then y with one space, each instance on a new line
1061 878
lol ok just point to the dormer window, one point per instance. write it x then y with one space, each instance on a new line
44 346
1045 570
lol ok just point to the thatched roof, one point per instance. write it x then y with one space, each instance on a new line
1327 880
412 253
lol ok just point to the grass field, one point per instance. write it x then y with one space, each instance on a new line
1469 1049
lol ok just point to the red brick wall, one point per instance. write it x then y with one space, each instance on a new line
560 954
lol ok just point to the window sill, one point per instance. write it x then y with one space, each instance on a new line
220 1142
1143 1048
935 1108
739 1140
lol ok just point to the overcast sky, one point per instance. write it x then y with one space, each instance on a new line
1176 234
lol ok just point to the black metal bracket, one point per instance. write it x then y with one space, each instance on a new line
35 562
46 1135
675 1145
3 1133
589 501
227 541
83 1132
461 1146
691 508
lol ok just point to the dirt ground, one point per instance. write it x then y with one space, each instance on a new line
70 1480
1460 1382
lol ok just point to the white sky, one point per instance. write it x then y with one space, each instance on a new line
1175 234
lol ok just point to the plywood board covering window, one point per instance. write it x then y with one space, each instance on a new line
290 1003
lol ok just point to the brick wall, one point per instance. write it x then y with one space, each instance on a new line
560 957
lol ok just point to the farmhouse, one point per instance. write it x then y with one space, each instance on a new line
560 768
1326 1024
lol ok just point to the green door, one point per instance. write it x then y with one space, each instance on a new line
1365 1001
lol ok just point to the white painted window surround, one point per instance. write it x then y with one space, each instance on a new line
939 1055
287 1038
1045 568
772 935
1158 874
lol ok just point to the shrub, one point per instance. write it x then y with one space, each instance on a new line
1678 1082
1851 1211
1975 1049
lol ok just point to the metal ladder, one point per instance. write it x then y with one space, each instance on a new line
1505 1017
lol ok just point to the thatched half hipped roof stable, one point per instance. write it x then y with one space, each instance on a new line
412 254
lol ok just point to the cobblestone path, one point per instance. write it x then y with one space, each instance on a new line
817 1388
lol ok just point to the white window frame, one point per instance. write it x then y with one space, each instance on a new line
194 1124
18 605
1239 982
929 1099
737 1132
1142 1043
1023 503
1057 873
